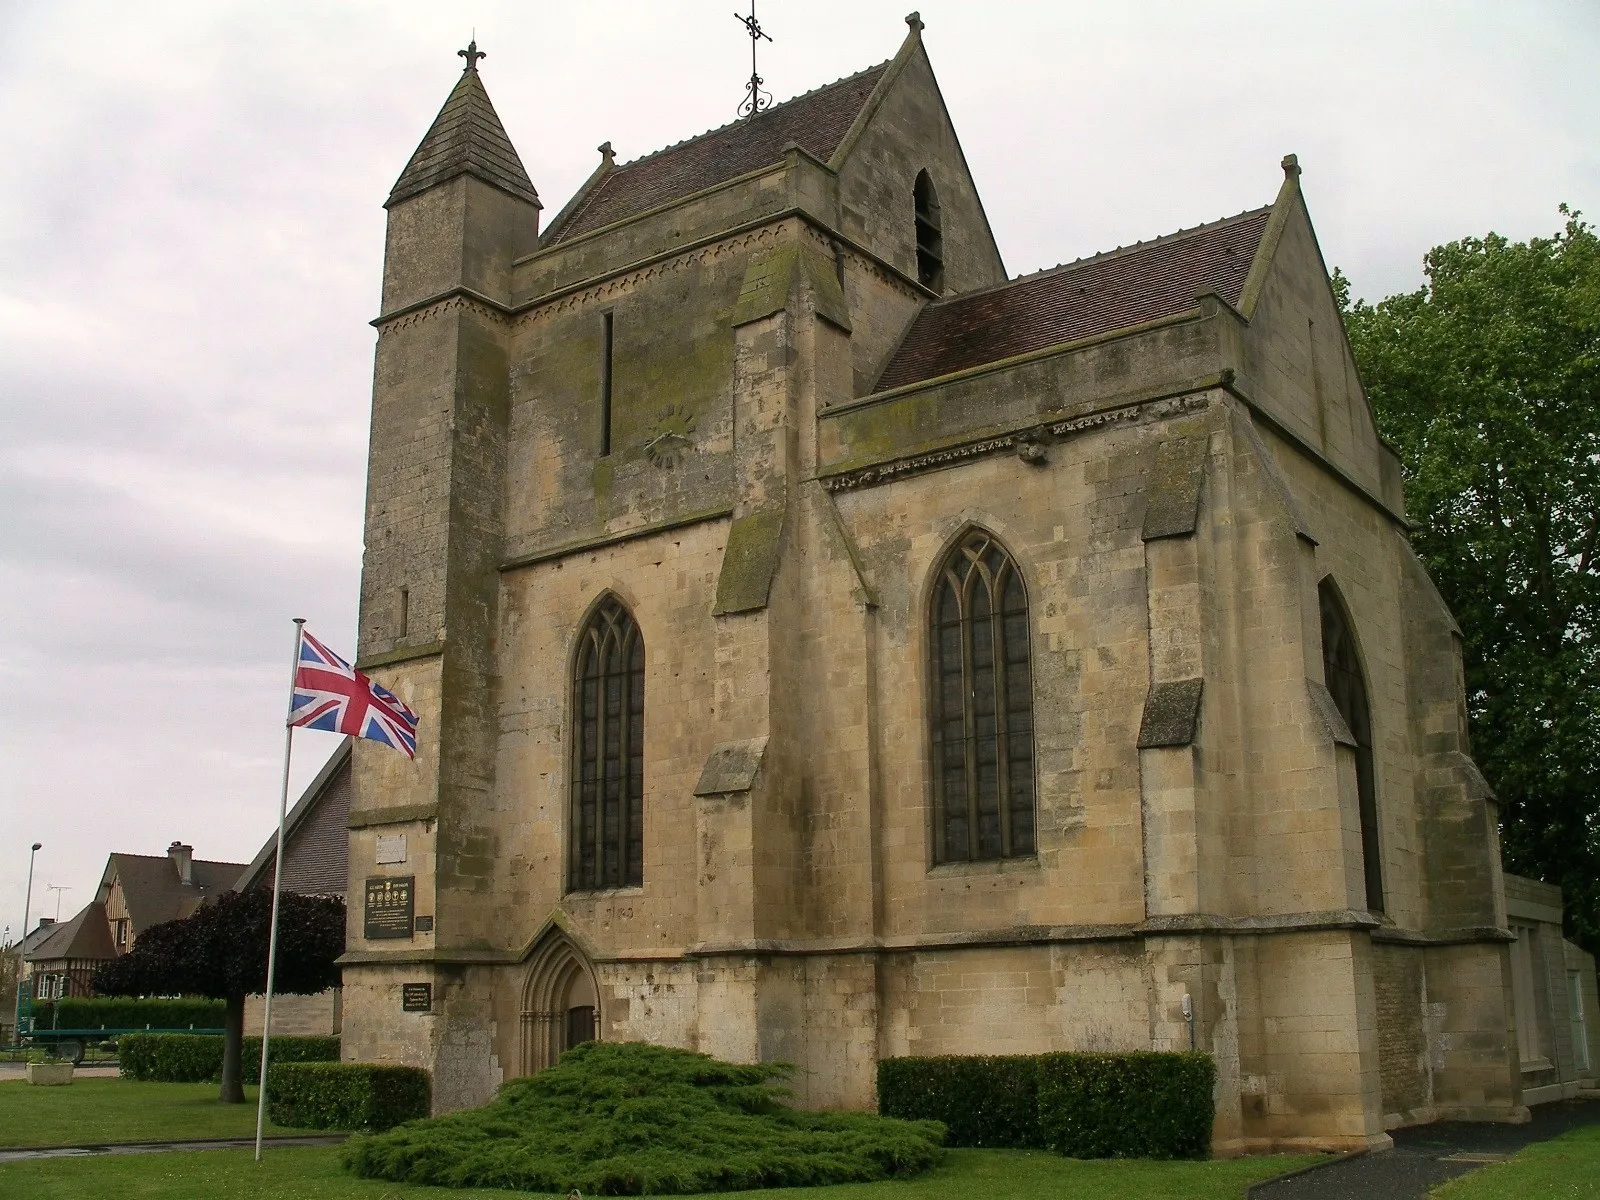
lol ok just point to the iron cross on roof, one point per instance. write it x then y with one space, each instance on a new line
754 99
472 54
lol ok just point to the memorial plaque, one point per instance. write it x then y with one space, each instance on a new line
416 997
389 906
423 924
391 849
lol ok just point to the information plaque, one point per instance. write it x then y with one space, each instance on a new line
390 903
416 997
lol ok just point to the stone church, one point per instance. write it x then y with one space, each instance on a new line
829 647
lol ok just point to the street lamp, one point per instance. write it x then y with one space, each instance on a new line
22 945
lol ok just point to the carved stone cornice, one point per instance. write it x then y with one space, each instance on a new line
1040 434
456 300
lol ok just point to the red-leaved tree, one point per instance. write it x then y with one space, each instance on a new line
221 952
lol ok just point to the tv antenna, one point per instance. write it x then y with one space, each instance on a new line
755 99
58 888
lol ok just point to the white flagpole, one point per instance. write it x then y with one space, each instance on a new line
277 876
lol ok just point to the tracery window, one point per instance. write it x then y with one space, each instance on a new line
930 233
1341 671
608 752
981 706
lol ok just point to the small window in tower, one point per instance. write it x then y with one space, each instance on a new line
605 390
930 234
404 620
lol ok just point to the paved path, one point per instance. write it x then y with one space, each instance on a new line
159 1147
1427 1155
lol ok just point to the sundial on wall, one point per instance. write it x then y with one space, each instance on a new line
669 436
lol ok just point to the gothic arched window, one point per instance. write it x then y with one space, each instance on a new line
608 752
1341 671
982 705
930 233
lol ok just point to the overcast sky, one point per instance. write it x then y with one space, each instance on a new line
190 250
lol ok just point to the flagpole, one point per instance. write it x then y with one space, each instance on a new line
277 878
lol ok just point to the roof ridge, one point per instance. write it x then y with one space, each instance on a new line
1103 255
843 79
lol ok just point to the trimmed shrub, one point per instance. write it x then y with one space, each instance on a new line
341 1095
115 1012
624 1118
197 1058
1135 1105
983 1101
1141 1105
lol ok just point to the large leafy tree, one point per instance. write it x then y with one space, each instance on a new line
1487 383
221 951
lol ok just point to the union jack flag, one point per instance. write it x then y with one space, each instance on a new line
331 694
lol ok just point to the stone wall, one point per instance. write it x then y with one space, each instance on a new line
1173 497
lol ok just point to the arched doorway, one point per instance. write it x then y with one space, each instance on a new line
560 1002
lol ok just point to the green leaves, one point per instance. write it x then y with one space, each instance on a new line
1487 384
1131 1105
341 1095
624 1118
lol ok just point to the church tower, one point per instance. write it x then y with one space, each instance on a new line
460 214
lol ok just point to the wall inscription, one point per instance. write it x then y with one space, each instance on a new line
390 905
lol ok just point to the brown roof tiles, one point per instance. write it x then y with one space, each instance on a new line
1094 295
153 892
817 121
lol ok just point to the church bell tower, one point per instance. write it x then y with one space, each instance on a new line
461 213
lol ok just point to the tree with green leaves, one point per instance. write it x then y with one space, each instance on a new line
1486 381
221 952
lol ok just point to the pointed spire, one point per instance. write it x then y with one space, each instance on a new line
466 138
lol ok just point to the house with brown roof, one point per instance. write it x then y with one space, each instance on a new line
830 647
60 962
136 891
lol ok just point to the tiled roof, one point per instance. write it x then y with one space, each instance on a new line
466 138
817 121
153 892
85 936
1093 295
316 842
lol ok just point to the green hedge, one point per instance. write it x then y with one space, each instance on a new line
983 1101
1145 1105
1136 1105
115 1012
196 1058
339 1095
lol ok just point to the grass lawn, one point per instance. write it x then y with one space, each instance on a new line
292 1173
1567 1167
92 1111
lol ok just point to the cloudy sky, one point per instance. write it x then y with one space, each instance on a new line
190 246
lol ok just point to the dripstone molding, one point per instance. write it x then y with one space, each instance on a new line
830 647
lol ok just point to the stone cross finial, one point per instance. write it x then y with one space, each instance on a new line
915 21
472 54
1291 167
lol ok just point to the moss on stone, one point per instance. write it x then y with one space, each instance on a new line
749 562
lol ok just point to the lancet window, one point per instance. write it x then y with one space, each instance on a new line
930 233
1341 671
981 705
608 752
